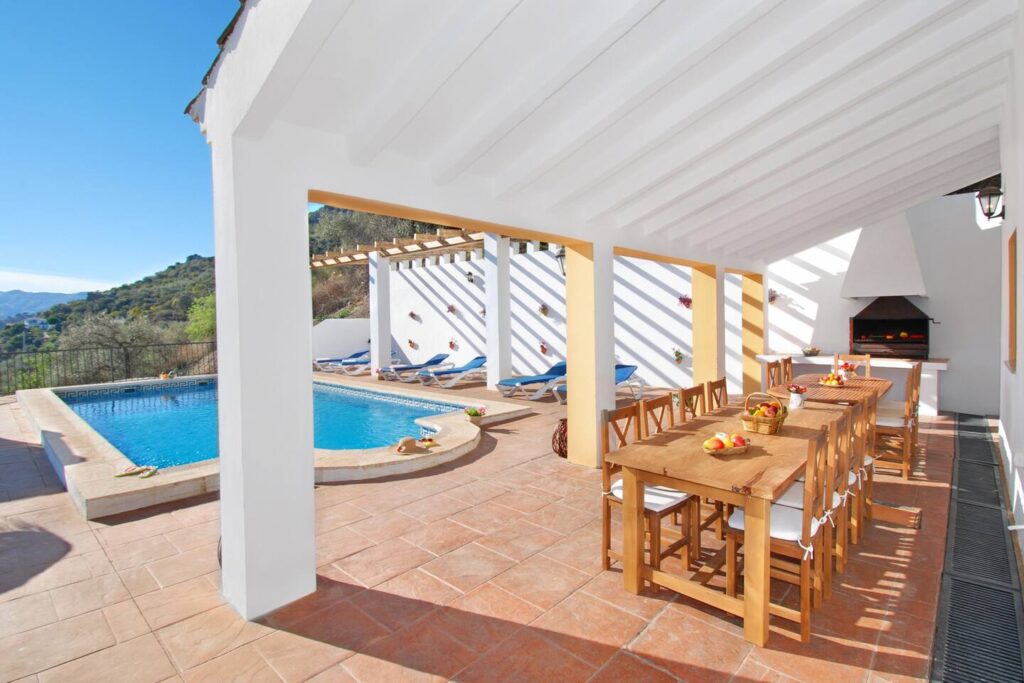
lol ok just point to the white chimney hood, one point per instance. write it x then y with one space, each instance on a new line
884 263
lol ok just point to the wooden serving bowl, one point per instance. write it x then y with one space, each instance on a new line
733 450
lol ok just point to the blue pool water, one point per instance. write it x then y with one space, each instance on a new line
173 425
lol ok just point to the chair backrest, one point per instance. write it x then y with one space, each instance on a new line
559 368
718 395
438 358
772 374
858 435
912 392
619 427
918 368
656 414
787 370
862 359
691 403
477 362
815 479
870 416
624 372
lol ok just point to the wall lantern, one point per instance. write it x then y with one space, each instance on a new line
560 255
990 198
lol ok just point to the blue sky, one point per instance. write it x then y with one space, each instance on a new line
102 178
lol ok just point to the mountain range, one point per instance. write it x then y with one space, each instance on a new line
18 303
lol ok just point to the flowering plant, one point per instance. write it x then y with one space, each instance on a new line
773 296
475 412
543 310
452 344
451 308
686 301
848 366
678 355
796 389
544 348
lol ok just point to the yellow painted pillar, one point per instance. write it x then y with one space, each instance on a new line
590 347
708 338
752 309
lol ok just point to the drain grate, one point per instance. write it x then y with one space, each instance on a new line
980 622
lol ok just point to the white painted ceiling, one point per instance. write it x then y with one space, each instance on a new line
739 127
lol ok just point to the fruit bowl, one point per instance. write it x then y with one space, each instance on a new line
811 350
831 380
726 444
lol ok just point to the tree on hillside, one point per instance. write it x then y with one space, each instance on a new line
107 332
202 319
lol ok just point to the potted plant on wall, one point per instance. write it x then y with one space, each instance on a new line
685 301
678 356
544 310
476 415
452 344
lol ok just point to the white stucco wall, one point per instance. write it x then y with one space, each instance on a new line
960 267
649 321
338 337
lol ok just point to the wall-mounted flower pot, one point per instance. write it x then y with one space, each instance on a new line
544 310
451 308
452 344
544 348
413 345
686 301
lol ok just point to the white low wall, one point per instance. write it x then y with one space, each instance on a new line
338 337
649 320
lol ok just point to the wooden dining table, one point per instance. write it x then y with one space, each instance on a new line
751 480
855 390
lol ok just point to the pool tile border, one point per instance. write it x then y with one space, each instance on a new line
86 462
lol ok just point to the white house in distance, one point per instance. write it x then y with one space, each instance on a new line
722 137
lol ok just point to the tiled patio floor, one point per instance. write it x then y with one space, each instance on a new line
487 569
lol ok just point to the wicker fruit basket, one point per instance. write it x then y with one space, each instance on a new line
754 421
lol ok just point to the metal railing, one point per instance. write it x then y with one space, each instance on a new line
65 367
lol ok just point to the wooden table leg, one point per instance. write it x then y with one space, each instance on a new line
756 571
632 530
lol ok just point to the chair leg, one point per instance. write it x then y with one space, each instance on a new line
869 493
683 517
805 600
907 454
855 517
828 551
654 530
842 537
694 530
606 532
817 571
730 565
720 524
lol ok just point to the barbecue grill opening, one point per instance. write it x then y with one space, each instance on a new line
891 327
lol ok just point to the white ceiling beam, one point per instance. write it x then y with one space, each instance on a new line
427 68
712 26
849 65
553 66
768 160
898 202
971 117
877 194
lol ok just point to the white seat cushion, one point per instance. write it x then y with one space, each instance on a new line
852 480
793 497
787 523
868 461
889 421
656 498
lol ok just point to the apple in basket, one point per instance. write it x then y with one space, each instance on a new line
713 444
737 440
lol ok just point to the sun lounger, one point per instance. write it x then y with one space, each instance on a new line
509 387
447 375
407 373
352 364
624 377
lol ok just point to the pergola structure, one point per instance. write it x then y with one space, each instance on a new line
719 136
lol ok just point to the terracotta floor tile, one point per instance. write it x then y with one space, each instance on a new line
476 492
180 601
335 516
468 566
343 626
382 562
207 533
405 599
197 511
560 518
184 566
140 551
339 543
138 580
487 517
520 539
141 660
29 580
898 658
627 667
335 674
826 657
433 508
27 613
541 581
485 616
296 658
366 668
207 635
424 648
752 671
590 628
608 586
526 656
691 649
384 526
558 485
125 620
524 501
89 595
45 647
442 536
242 664
126 528
579 551
332 589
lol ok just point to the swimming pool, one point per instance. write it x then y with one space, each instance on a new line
168 425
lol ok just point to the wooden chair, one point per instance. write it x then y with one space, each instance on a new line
772 374
787 370
718 395
691 403
898 430
621 427
863 359
862 466
796 540
659 412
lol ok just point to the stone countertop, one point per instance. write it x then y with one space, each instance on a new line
876 361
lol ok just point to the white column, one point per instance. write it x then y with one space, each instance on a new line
380 311
498 304
265 405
